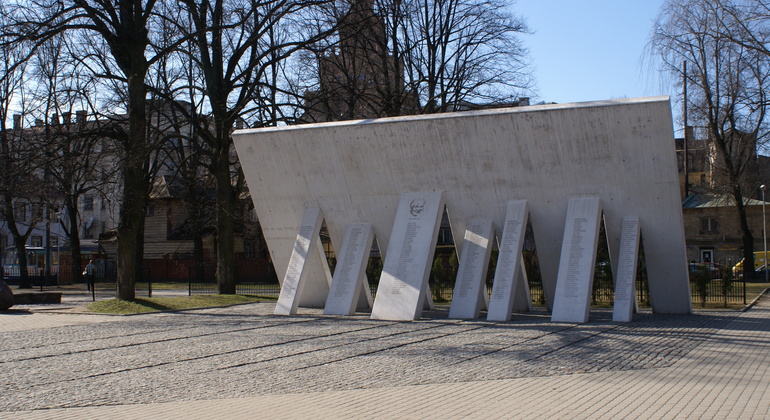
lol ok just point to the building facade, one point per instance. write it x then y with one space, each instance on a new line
711 222
712 230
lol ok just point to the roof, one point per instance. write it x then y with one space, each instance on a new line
702 201
165 186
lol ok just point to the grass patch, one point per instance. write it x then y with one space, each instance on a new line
145 305
752 289
165 285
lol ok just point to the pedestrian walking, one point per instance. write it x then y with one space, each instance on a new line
89 274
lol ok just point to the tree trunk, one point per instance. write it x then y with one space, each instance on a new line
74 237
21 251
19 241
226 201
132 210
747 236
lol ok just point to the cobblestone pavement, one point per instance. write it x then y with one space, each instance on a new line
241 361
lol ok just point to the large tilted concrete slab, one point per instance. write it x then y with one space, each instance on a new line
577 260
403 288
621 151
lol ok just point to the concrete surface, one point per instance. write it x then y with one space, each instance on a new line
244 362
621 150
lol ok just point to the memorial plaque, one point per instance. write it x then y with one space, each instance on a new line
509 263
348 281
625 277
469 289
401 293
576 264
296 272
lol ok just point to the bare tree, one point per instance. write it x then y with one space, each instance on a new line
20 184
236 50
464 50
744 22
728 84
78 152
356 74
397 57
117 36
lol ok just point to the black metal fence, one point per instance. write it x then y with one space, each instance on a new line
711 284
178 275
38 277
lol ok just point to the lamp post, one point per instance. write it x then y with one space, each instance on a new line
58 215
764 230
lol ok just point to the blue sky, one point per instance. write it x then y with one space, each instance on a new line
584 50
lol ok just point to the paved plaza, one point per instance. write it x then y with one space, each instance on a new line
243 362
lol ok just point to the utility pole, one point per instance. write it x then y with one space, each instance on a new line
686 152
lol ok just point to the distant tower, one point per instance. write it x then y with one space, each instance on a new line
362 33
360 78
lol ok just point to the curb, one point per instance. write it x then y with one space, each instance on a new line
756 299
69 311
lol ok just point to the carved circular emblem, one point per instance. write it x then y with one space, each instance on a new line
416 206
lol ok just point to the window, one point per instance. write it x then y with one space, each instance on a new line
248 250
445 236
709 225
54 241
37 241
20 212
150 210
88 202
88 228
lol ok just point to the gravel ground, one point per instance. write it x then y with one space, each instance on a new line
244 350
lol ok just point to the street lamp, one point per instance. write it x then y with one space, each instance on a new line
764 229
58 215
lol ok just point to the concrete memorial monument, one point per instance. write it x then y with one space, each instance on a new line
578 258
625 271
621 151
295 281
509 281
470 289
349 281
403 290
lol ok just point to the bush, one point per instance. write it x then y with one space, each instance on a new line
701 279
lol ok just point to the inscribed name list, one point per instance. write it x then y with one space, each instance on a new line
474 261
508 262
348 280
401 292
293 282
628 254
576 264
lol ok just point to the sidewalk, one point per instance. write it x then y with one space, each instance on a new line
722 371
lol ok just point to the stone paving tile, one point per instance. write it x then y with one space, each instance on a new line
242 362
24 320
